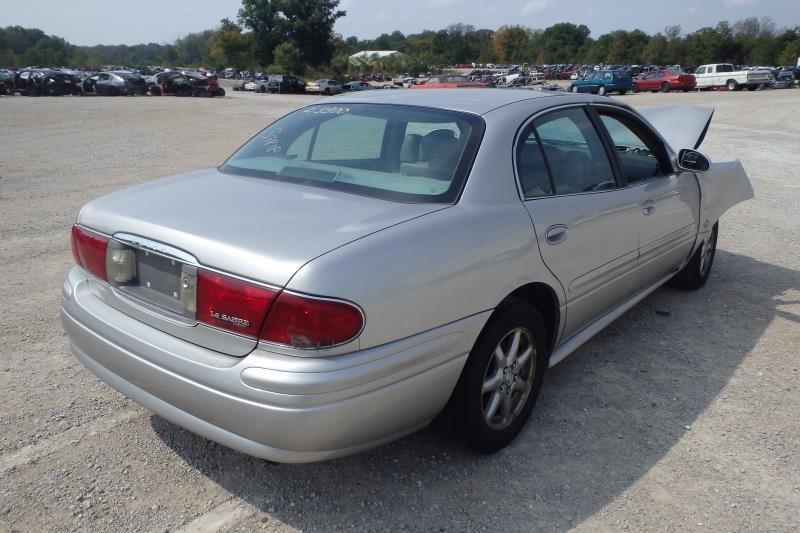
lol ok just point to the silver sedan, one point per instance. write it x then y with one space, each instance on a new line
368 264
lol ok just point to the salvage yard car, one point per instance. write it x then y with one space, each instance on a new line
783 79
363 267
44 82
664 80
114 83
603 82
725 75
327 87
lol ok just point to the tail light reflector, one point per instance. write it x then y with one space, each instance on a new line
89 251
305 322
231 303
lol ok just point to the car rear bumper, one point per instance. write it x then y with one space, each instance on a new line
278 407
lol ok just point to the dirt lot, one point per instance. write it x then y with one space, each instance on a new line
684 414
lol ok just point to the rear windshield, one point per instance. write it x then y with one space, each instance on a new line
394 152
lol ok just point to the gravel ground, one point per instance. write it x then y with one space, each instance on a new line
684 414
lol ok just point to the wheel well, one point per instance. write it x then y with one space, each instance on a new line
545 300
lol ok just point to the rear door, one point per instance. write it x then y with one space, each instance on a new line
669 201
590 83
586 225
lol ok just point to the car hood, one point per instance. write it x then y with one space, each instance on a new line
257 228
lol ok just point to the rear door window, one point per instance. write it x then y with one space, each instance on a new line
564 147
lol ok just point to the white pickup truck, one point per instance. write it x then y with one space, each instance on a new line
724 75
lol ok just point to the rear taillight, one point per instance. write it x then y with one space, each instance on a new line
306 322
231 303
89 250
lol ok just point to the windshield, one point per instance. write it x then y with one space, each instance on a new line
393 152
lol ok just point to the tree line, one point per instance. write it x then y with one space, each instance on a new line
297 36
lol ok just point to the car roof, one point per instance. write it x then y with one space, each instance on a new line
477 101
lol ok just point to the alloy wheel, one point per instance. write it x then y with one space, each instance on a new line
508 379
707 253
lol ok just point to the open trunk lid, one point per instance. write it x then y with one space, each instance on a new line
681 126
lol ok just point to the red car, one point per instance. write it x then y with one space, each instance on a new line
664 81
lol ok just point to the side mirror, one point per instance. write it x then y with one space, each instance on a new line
693 160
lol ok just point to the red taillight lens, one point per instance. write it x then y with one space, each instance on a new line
304 322
89 251
231 303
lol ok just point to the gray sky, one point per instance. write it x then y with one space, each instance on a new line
90 22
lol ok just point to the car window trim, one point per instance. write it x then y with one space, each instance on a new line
529 122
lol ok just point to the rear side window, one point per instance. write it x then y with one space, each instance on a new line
640 153
565 147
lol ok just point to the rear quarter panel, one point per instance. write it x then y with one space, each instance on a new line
429 271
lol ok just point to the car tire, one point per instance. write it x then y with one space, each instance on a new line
635 89
601 91
220 92
696 272
327 92
731 85
574 88
622 92
495 394
262 89
666 87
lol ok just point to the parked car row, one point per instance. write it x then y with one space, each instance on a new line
712 76
62 82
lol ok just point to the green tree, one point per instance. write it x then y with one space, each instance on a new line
229 47
560 43
511 44
289 59
655 53
305 24
790 55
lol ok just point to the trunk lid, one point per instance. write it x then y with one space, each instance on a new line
681 126
256 228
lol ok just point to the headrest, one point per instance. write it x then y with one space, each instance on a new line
409 152
438 144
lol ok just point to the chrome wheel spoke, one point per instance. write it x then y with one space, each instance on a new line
493 382
524 356
491 407
506 410
500 357
522 386
511 356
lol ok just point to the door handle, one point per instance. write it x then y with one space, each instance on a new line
648 208
556 234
